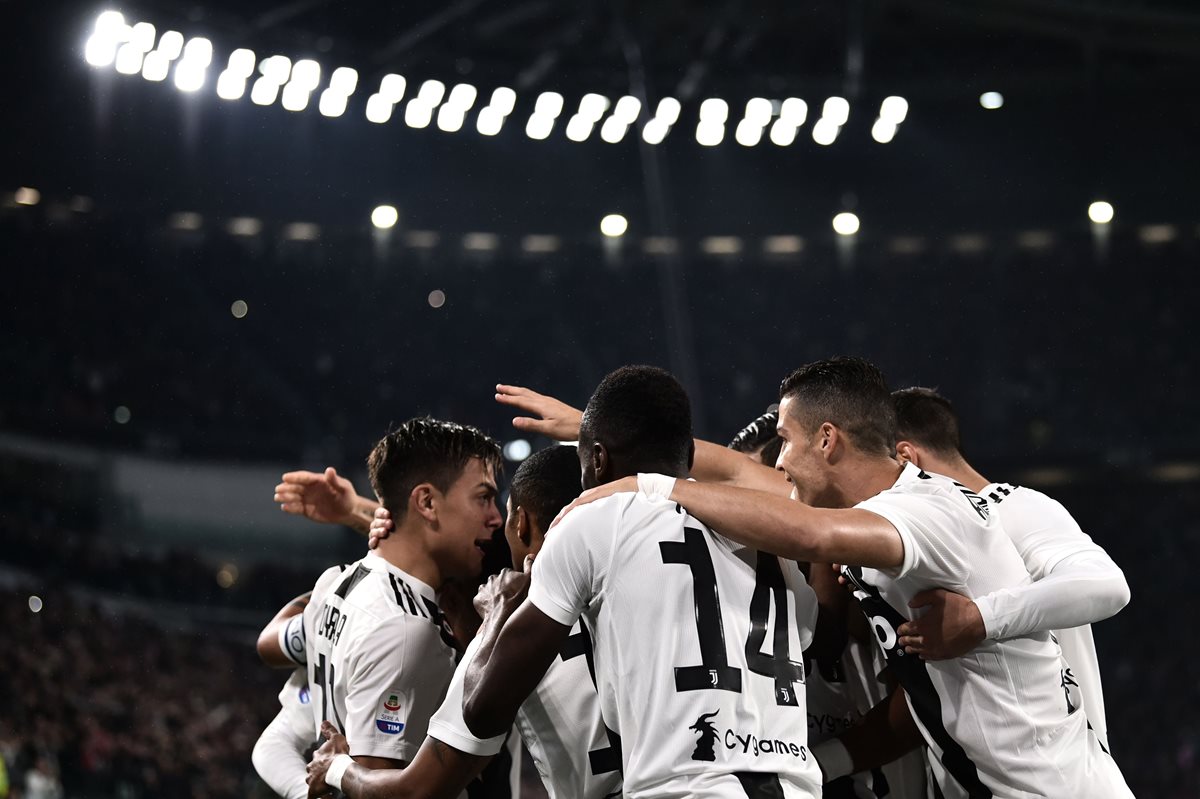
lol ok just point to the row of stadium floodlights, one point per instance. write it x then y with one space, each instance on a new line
139 49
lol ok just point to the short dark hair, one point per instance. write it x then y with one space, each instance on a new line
760 436
546 482
925 417
849 392
425 450
641 413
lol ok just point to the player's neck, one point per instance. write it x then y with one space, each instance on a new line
406 550
864 476
957 469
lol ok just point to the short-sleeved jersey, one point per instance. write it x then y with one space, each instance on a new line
576 756
296 701
697 648
379 656
1001 720
1045 533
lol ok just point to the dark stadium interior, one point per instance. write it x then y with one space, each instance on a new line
142 422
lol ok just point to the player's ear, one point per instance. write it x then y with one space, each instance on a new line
421 501
601 463
524 526
829 437
905 451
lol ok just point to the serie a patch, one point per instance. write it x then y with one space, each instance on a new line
389 722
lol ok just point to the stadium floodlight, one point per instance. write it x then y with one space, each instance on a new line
27 196
836 110
418 114
450 118
189 75
343 81
592 107
156 66
517 450
579 127
748 133
613 129
462 97
264 91
1101 212
845 224
539 126
100 50
709 132
883 131
129 59
142 35
232 87
893 109
626 110
614 226
655 131
668 110
379 109
794 111
306 74
783 133
241 63
991 100
431 93
277 69
199 51
825 131
714 110
170 44
295 96
110 23
504 100
490 121
758 112
392 87
333 103
385 217
549 104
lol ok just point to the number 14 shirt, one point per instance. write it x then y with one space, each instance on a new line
698 648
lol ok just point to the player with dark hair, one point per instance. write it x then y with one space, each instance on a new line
680 618
560 722
758 440
1075 583
998 721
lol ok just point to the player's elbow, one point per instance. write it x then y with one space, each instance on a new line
1118 594
268 649
484 716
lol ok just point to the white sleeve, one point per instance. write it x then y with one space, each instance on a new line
1042 530
930 528
279 758
392 672
447 724
1083 588
564 577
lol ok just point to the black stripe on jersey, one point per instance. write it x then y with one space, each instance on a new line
760 786
347 584
1002 490
601 761
913 675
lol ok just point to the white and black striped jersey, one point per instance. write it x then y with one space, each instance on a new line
1045 533
576 756
697 648
380 656
280 755
1001 720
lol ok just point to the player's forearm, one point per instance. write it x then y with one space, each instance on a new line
439 771
279 758
269 647
886 733
361 515
717 464
1082 589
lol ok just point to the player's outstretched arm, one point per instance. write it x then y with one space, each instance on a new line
281 642
325 497
439 771
886 733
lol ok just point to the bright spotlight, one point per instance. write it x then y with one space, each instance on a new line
277 69
836 110
783 132
539 127
709 132
417 114
431 93
462 97
1100 212
668 110
714 110
655 131
504 100
100 50
264 92
379 109
306 74
517 450
450 118
758 111
199 51
241 63
614 225
231 87
489 121
748 133
295 97
579 127
613 129
110 22
333 103
894 109
883 131
549 104
170 44
156 66
391 88
343 81
129 59
27 196
385 217
592 107
189 75
845 224
141 36
991 100
627 109
825 131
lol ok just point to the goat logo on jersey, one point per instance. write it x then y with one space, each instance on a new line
708 737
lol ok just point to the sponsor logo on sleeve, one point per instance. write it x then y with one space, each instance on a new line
389 721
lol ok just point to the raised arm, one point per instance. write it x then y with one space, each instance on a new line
325 497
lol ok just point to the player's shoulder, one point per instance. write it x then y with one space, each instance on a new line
324 583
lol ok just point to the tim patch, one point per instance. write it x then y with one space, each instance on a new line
389 721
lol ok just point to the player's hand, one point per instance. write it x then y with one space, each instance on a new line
326 497
506 587
950 627
381 527
625 484
335 744
558 420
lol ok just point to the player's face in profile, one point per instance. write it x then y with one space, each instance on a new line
466 519
800 458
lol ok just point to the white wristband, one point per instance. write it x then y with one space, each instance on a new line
834 759
655 486
337 770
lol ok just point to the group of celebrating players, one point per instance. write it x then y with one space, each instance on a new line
836 605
